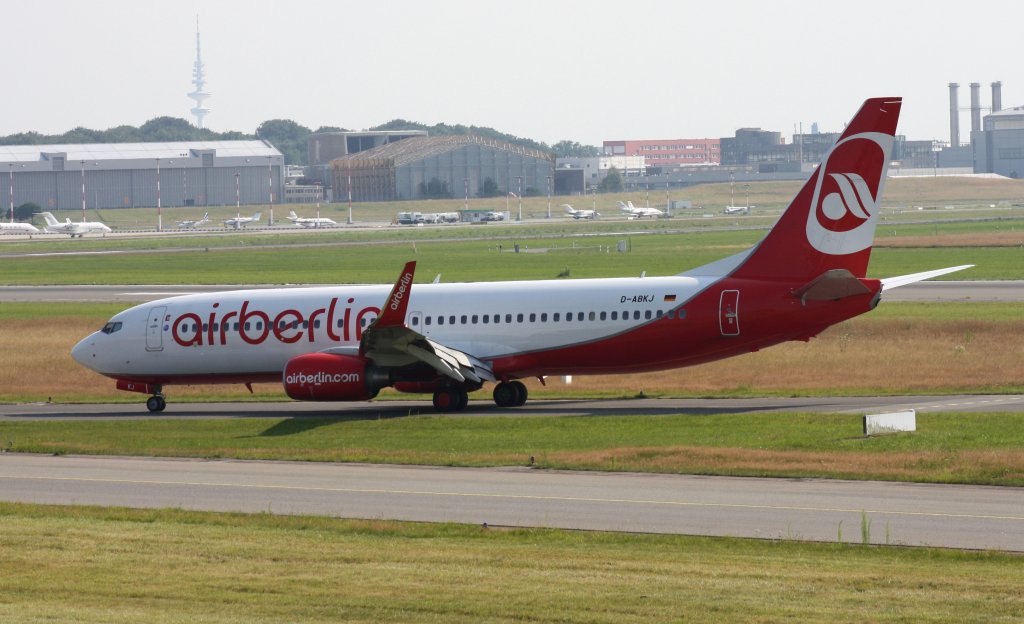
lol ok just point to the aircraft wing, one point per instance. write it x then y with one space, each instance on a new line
903 280
388 342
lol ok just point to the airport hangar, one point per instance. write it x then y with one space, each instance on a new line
124 175
456 165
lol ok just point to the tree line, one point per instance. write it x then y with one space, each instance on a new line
289 137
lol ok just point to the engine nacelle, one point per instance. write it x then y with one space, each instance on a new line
330 377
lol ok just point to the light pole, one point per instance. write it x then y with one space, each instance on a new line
82 162
238 198
465 206
159 215
746 187
11 165
350 199
519 180
549 197
270 189
184 188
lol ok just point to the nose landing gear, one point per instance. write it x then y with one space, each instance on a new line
156 403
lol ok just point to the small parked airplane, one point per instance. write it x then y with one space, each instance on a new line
737 210
346 343
194 223
73 229
637 213
310 222
581 214
14 227
239 222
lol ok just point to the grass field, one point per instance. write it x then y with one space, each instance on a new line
947 448
473 260
81 564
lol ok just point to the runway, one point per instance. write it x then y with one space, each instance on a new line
799 509
943 291
482 407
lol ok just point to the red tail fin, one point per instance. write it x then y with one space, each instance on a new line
830 224
393 312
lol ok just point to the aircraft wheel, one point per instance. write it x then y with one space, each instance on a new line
505 394
451 400
156 403
521 393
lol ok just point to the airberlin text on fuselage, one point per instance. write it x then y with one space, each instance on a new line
256 327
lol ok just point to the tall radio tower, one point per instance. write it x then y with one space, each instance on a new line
199 81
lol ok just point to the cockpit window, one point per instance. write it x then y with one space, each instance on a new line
111 327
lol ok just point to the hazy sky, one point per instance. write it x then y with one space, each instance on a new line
547 70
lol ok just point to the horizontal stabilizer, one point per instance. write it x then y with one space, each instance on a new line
903 280
831 286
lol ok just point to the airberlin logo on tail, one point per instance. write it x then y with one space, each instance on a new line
844 208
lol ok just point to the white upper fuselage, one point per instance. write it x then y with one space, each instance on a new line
314 222
258 331
79 228
18 228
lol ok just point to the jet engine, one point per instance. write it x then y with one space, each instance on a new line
331 377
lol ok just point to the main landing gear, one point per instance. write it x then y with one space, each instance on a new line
510 394
451 399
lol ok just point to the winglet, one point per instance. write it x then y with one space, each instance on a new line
392 314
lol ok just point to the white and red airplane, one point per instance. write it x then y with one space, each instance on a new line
345 343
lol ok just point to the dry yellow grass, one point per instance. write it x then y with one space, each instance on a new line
863 355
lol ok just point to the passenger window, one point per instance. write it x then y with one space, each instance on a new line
426 320
592 316
658 313
474 319
340 323
554 317
451 320
519 318
681 314
316 324
671 314
440 320
487 318
464 319
508 318
415 321
647 314
544 317
604 315
615 315
533 317
579 316
636 315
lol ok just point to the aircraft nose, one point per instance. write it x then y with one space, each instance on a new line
85 352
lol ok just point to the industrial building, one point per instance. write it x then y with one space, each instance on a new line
124 175
445 166
667 152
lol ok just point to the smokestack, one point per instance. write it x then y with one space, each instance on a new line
997 96
954 115
975 106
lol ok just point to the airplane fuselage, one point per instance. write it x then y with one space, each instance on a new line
522 328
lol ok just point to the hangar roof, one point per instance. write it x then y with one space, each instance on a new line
137 151
418 148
